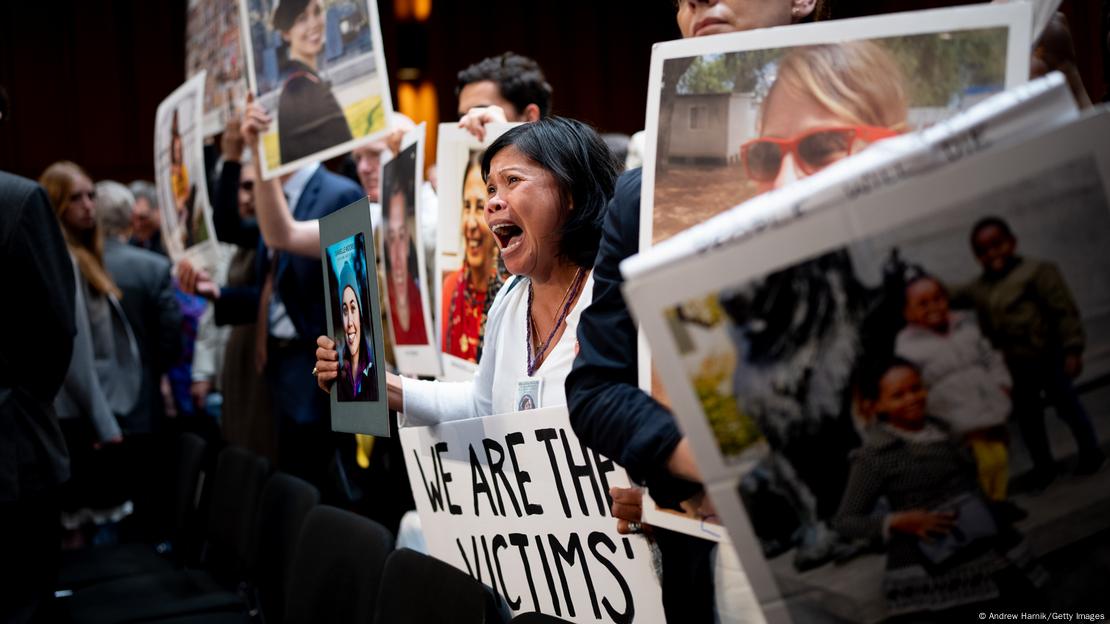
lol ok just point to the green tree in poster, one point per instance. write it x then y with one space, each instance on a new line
938 67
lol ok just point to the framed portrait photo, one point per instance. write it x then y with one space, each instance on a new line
318 68
358 398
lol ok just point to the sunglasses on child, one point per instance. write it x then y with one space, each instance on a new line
813 150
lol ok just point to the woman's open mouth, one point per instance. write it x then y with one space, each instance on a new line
509 236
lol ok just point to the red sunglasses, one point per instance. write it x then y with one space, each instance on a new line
813 150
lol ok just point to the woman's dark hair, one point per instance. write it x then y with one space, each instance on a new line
584 169
285 15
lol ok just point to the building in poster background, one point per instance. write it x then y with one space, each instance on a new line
358 398
212 45
179 172
414 344
818 323
520 504
317 66
899 72
736 116
468 261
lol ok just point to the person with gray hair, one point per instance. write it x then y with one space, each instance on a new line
114 204
146 221
148 301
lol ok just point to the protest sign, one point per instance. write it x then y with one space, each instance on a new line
766 342
519 503
358 398
468 261
179 174
318 68
410 321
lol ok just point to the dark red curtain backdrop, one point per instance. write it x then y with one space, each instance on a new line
85 76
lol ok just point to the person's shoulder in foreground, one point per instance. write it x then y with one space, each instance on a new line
608 410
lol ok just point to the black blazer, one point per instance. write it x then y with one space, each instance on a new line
155 316
36 340
610 413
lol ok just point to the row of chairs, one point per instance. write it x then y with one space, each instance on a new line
265 550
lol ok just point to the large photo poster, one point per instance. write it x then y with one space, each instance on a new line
318 68
358 399
179 173
731 117
212 46
858 369
408 305
469 270
735 116
520 504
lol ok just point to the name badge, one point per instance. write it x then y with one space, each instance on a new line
528 392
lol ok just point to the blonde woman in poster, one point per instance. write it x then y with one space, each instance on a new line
469 292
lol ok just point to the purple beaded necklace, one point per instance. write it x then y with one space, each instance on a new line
536 358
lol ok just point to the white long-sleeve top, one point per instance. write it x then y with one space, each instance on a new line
503 365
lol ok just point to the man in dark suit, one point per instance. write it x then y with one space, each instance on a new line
154 314
148 302
288 302
36 343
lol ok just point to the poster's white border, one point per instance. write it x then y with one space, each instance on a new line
203 254
381 76
453 148
1016 17
412 359
812 234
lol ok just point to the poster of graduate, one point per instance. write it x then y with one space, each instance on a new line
358 398
187 229
318 69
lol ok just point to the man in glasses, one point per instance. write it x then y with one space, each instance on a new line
607 408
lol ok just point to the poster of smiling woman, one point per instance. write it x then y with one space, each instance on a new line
317 67
358 399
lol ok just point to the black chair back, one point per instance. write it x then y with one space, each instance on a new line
337 568
236 488
409 579
285 503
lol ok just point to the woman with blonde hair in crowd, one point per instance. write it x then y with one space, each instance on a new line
105 374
